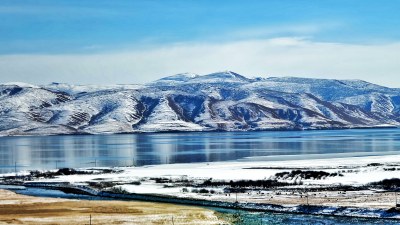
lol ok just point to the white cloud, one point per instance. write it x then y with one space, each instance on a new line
303 29
269 57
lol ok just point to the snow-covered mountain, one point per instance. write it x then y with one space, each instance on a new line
224 101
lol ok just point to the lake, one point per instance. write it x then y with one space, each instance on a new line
50 152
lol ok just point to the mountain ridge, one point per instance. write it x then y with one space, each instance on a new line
221 101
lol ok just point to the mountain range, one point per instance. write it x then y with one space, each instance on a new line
223 101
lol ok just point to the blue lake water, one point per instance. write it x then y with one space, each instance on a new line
49 152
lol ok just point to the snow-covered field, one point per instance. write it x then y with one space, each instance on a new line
336 183
355 170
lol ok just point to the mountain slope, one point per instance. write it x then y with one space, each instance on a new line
223 101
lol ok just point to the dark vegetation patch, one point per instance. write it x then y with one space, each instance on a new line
393 210
71 171
245 183
135 183
36 174
109 184
308 174
118 190
101 185
375 164
302 168
342 188
391 169
387 184
174 182
203 191
161 180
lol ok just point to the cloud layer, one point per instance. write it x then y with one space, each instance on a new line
268 57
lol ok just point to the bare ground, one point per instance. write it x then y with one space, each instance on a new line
362 199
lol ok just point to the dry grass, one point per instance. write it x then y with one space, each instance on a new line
20 209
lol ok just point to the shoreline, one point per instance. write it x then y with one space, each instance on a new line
213 131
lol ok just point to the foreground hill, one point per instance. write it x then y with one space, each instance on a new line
223 101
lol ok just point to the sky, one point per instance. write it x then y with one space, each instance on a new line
129 42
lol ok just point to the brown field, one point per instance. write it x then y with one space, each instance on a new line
20 209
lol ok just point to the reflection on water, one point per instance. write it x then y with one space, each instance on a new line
49 152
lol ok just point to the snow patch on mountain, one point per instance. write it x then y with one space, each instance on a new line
164 118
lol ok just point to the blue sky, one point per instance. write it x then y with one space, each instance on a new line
139 41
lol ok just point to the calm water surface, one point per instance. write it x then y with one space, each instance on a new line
49 152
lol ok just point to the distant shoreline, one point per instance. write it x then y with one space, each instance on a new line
212 131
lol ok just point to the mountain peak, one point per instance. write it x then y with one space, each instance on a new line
227 74
180 77
223 76
20 84
218 77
